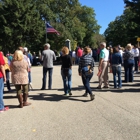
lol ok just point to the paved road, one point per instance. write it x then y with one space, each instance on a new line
113 115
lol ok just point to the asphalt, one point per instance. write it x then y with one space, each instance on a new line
113 115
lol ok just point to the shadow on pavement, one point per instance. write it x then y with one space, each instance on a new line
13 106
55 97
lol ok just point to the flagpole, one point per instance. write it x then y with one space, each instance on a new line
46 30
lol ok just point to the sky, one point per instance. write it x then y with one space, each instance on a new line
105 10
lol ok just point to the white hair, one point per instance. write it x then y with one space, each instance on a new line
25 49
103 43
48 45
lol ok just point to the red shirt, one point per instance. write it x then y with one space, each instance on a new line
79 52
1 63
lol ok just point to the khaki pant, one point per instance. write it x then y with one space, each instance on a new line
104 75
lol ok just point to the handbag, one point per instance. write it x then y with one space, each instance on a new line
87 70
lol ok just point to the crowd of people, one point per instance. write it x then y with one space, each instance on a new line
19 64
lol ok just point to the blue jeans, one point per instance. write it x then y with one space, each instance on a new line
86 79
136 59
116 70
45 70
29 76
128 68
67 81
1 94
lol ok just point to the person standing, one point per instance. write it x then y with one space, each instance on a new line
48 56
73 57
7 72
19 68
129 62
103 66
85 70
2 80
79 54
30 61
116 66
66 70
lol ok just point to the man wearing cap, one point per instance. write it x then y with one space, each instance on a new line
48 56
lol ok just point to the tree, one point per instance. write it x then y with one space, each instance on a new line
23 23
20 23
123 29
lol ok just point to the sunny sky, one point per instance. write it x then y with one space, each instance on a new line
105 10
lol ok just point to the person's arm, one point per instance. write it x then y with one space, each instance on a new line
70 62
42 56
3 72
54 56
102 55
80 67
137 52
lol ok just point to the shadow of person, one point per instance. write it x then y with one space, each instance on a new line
55 97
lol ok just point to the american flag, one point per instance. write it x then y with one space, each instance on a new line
50 29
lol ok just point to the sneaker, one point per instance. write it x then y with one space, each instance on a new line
135 72
1 111
99 87
105 87
6 108
85 95
69 91
92 97
42 89
66 94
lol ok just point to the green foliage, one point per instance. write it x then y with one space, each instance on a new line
125 28
22 23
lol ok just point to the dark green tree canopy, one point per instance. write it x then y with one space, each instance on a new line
22 23
125 28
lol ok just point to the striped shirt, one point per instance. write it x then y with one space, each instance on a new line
86 60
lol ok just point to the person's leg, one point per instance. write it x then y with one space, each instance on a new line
126 72
87 86
69 81
25 95
19 95
7 80
1 94
131 72
101 75
106 77
64 82
86 80
50 78
136 63
44 78
29 77
119 77
114 76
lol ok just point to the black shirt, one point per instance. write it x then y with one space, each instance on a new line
66 61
